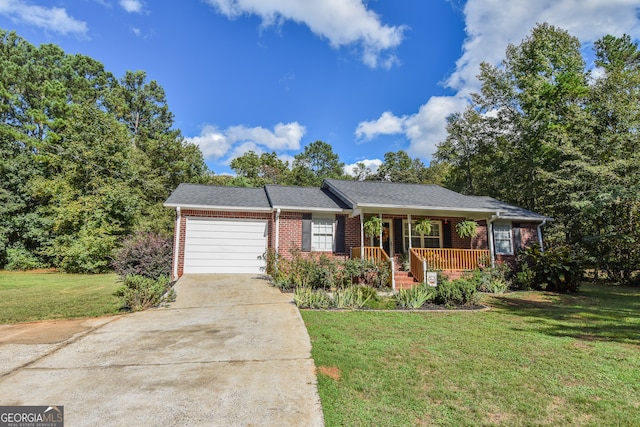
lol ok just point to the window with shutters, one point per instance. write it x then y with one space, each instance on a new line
502 238
322 234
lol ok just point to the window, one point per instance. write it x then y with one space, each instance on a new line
322 234
432 240
502 238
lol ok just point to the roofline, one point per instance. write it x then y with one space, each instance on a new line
525 218
427 208
339 193
307 209
218 208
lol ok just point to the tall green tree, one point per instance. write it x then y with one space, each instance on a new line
317 162
546 135
85 159
259 170
400 167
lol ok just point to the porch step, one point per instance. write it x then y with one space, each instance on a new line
404 279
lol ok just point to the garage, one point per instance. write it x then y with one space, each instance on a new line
224 245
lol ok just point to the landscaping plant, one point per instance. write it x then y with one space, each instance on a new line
557 269
459 292
415 297
140 292
144 254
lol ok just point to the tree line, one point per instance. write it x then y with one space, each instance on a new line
87 159
549 134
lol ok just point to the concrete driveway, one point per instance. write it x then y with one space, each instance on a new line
231 351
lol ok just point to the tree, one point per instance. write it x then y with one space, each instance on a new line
400 167
540 136
260 170
84 159
315 163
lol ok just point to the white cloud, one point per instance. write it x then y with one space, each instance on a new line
372 164
131 6
490 26
386 124
342 22
212 142
53 19
237 140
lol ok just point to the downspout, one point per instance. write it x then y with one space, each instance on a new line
361 235
544 221
176 245
409 228
277 239
492 253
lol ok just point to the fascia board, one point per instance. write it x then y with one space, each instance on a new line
308 209
218 208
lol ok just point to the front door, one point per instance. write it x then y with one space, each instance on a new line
386 233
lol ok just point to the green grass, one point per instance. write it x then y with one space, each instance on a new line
534 359
41 296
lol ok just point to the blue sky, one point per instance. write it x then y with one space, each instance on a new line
367 77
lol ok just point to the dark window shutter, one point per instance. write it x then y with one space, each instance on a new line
306 232
517 237
446 235
340 232
397 235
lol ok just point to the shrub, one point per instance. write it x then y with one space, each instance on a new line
20 258
140 292
144 254
457 292
87 252
325 272
557 269
491 279
415 297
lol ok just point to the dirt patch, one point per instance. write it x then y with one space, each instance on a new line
330 371
47 332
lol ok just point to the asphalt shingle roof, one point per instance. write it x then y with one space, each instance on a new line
343 195
420 196
303 197
214 196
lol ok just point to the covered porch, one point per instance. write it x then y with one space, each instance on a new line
421 260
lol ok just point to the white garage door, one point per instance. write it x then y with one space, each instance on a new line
225 246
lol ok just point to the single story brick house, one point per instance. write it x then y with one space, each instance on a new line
229 229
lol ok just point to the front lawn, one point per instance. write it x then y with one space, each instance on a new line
29 296
533 359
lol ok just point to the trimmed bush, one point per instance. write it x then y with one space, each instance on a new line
459 292
139 292
144 254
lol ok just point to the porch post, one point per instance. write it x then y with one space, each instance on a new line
361 235
380 216
409 228
492 254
